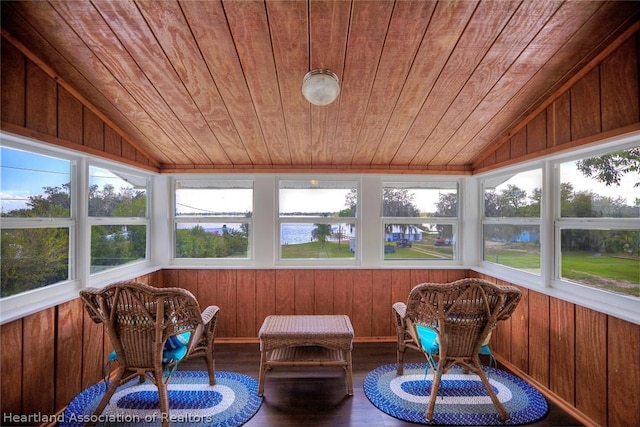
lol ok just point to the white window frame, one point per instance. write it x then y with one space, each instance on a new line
115 271
549 282
23 304
279 220
455 222
171 258
509 273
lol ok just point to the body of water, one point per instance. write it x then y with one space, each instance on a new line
291 234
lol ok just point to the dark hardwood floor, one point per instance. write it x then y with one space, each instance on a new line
297 397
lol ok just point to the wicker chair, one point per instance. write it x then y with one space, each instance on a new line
143 324
450 322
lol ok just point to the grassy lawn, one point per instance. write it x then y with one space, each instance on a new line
584 265
525 260
317 250
618 274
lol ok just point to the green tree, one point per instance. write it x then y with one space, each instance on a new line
321 233
610 168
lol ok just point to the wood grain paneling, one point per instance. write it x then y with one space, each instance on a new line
539 337
562 349
619 85
12 85
38 375
623 373
591 340
70 117
520 333
41 101
93 343
11 367
68 351
585 106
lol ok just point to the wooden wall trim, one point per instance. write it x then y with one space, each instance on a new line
60 81
29 133
571 410
492 157
583 360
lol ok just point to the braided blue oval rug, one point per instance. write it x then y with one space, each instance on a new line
462 399
192 401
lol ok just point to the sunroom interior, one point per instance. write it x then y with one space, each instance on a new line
194 111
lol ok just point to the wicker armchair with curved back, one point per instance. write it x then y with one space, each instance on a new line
151 330
451 323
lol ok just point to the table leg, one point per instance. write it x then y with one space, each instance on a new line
349 369
262 373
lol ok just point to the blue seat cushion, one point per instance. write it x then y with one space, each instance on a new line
175 348
428 339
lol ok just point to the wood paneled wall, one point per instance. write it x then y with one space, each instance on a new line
36 105
246 297
603 101
589 360
50 356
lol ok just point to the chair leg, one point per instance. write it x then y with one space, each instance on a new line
400 360
435 386
211 364
504 416
107 395
163 397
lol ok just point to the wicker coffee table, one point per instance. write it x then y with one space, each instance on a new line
299 340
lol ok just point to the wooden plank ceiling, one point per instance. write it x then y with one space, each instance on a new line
425 85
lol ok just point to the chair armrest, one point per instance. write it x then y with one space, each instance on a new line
400 310
209 313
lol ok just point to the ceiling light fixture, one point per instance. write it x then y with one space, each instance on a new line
320 87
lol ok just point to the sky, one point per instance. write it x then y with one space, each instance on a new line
25 174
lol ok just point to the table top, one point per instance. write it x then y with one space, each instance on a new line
332 331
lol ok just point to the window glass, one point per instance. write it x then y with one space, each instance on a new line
117 215
314 198
600 187
405 239
419 241
515 246
317 240
603 259
401 199
213 218
317 232
116 245
116 194
34 185
212 240
25 248
512 196
219 199
35 254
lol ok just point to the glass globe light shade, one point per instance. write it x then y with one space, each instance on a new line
320 87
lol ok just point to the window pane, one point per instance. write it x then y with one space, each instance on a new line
116 194
33 258
516 246
604 259
318 198
589 189
420 199
210 199
419 241
513 196
34 185
116 245
212 240
306 240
